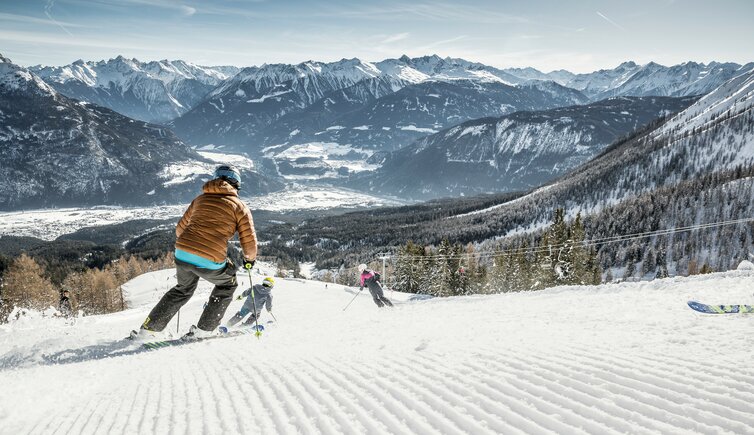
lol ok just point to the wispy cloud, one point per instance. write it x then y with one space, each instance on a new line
441 43
34 20
46 38
426 11
48 12
137 45
169 5
604 17
188 10
395 38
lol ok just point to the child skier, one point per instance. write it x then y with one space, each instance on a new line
371 279
262 298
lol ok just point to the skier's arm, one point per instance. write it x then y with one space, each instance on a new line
268 304
246 233
184 220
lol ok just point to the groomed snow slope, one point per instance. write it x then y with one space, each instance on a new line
623 358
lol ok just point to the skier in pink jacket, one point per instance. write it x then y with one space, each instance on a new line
371 279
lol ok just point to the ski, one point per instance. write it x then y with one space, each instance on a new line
720 309
225 333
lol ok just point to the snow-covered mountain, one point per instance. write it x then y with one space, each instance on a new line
601 81
435 67
529 73
711 136
397 101
692 168
652 79
213 105
155 91
689 78
385 104
398 118
697 167
302 125
514 152
58 151
238 110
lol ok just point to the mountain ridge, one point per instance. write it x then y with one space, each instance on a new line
155 91
513 152
62 152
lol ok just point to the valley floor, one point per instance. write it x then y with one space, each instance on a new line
621 358
48 224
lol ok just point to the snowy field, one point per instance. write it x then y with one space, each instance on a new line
183 172
622 358
321 159
49 224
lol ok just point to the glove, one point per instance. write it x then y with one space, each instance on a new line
239 298
248 264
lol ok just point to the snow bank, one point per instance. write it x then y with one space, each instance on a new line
148 288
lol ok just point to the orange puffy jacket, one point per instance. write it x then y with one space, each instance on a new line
212 219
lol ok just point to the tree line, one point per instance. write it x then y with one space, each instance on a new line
558 258
26 285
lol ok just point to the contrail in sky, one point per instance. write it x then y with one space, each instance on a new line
610 21
48 12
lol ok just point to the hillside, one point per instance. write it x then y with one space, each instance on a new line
513 152
695 167
58 151
557 361
62 152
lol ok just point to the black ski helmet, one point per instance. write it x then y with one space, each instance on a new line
230 174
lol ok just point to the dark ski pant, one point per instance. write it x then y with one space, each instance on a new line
188 277
377 295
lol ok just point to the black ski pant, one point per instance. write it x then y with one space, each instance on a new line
377 295
188 277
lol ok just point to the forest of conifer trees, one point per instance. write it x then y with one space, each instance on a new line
559 258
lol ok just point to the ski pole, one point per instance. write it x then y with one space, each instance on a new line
257 333
273 316
178 320
354 298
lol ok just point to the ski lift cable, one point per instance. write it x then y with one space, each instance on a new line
585 243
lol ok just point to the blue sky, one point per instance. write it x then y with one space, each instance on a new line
580 36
